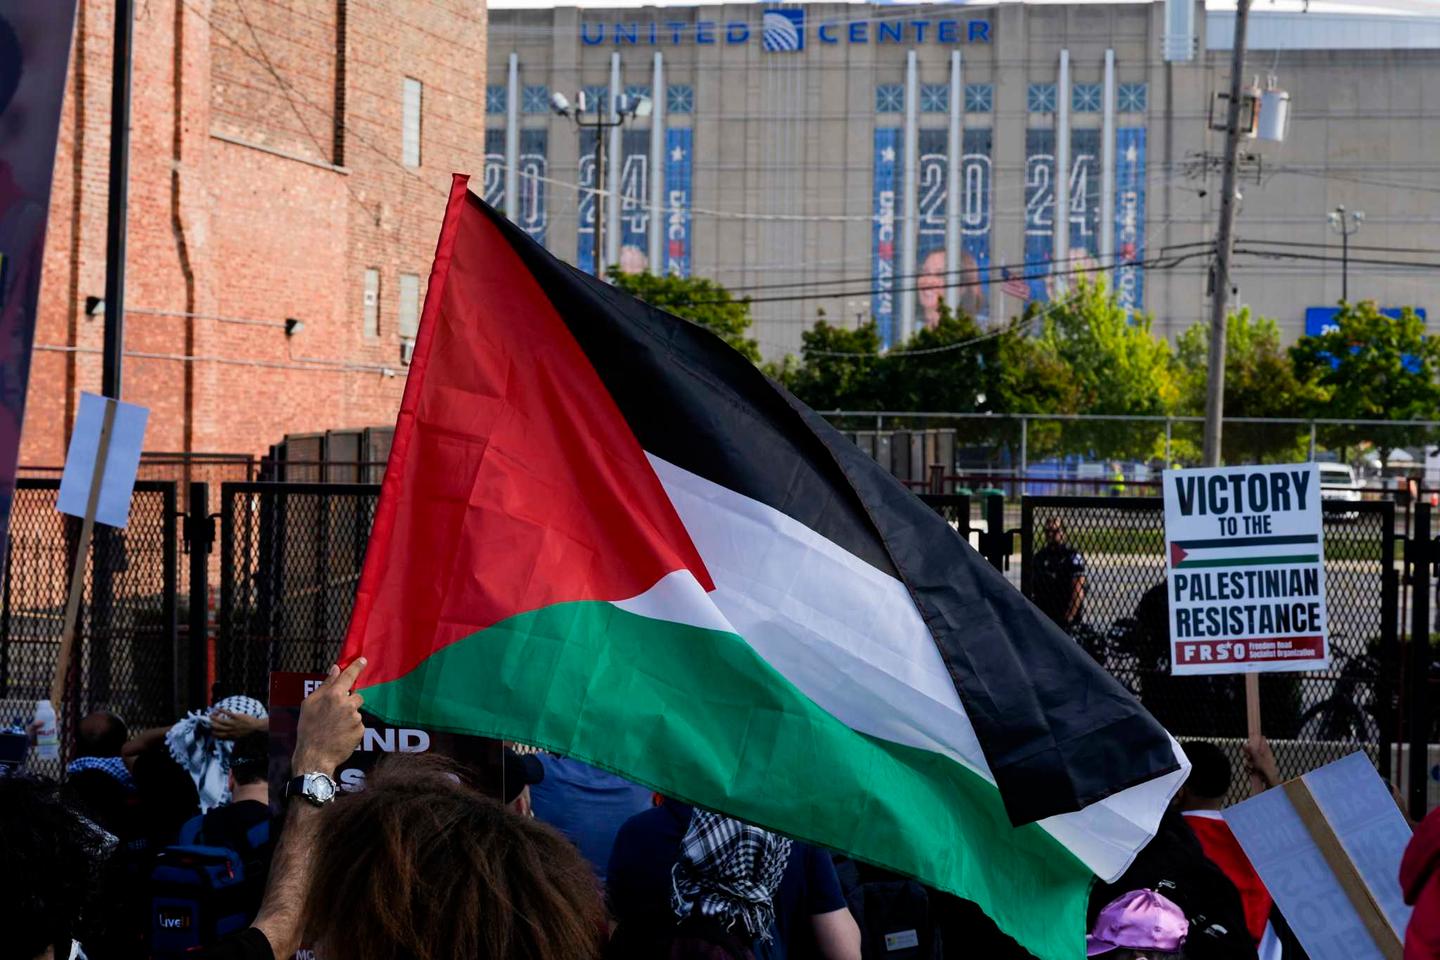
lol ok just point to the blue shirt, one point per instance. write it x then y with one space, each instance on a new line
587 804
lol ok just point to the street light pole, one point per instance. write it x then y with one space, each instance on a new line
627 108
1345 227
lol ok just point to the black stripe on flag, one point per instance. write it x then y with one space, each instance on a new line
1057 731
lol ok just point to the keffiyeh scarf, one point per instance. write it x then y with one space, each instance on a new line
729 870
114 766
205 756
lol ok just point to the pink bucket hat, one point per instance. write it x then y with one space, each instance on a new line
1138 920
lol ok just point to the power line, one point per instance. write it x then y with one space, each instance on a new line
1043 275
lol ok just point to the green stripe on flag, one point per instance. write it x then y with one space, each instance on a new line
700 715
1247 561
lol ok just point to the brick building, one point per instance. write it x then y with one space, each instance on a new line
289 162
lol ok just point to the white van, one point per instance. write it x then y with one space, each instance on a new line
1338 482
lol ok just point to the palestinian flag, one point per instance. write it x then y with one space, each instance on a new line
605 533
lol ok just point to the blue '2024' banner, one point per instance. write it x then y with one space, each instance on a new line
534 168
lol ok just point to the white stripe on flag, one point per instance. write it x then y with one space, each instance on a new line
850 638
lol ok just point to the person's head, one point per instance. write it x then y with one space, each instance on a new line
728 870
1139 925
518 773
1054 530
250 765
100 734
50 860
419 865
1209 779
931 285
633 259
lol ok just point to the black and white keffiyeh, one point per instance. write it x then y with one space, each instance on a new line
205 756
729 870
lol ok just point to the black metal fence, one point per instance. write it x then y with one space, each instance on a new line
127 655
1311 718
156 639
291 556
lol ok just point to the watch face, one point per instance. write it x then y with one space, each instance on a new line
321 787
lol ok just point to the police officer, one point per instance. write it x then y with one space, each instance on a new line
1058 584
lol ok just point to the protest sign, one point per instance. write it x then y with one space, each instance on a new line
121 462
1328 847
1245 563
478 758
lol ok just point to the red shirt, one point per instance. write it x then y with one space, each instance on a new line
1420 881
1224 850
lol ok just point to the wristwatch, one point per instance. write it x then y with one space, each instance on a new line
318 788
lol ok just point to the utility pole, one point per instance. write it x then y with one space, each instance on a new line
113 353
1346 228
626 108
1225 245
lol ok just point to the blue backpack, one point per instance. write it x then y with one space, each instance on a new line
200 893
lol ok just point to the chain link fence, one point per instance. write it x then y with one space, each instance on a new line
1311 718
127 644
292 553
291 557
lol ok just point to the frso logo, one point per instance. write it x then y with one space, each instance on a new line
783 30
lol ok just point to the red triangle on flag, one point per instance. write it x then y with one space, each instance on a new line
1177 553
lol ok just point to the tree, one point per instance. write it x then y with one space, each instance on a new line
1372 367
1260 381
1116 366
697 299
839 368
944 367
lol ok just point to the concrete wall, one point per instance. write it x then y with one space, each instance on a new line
789 135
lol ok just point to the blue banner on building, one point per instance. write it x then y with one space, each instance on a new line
933 197
677 201
882 271
1039 211
493 184
1130 217
635 201
1084 200
534 168
586 204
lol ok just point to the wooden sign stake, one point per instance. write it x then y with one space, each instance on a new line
77 577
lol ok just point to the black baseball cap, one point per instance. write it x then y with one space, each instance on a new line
520 770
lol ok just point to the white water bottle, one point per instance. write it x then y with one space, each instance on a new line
47 732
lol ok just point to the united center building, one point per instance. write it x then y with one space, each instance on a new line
868 161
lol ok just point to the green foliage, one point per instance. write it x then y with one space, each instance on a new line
941 368
1372 367
839 369
1116 363
1260 381
697 299
1115 366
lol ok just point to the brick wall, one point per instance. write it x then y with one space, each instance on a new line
266 176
